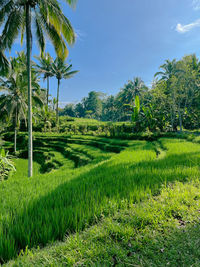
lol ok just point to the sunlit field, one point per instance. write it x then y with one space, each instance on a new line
99 133
80 180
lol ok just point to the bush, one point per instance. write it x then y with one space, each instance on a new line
6 165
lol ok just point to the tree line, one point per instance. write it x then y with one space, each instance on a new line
172 103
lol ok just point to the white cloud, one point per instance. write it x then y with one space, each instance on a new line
80 35
196 4
188 27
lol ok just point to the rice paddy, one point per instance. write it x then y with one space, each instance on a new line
81 180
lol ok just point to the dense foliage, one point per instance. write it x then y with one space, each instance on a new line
6 165
96 161
172 102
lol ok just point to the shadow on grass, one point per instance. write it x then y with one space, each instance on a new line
83 200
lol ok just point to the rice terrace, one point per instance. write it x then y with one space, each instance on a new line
92 176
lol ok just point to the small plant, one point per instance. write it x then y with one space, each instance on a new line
6 165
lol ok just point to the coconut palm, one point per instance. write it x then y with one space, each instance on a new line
131 90
44 68
48 18
13 102
169 71
61 70
4 63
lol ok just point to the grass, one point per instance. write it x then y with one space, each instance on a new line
22 167
161 231
35 212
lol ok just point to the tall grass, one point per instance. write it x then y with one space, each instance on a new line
43 209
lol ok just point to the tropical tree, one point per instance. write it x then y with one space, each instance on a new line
61 70
127 95
4 64
93 105
48 19
169 71
44 118
109 110
68 110
44 67
131 90
79 110
13 102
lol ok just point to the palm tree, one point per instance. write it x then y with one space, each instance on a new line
13 103
48 19
169 70
61 70
131 90
4 63
44 67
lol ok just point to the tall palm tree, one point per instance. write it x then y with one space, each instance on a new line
4 63
44 67
13 102
169 70
16 15
61 70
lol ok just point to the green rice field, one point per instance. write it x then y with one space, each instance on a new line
85 184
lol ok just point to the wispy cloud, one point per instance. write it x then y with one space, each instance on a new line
80 35
188 27
196 4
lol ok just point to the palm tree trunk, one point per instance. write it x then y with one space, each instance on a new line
15 136
47 91
57 117
171 116
180 118
28 44
15 141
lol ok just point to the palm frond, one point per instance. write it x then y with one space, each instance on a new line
12 27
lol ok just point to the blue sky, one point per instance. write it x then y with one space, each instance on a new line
118 40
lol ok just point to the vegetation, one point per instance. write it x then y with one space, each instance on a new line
6 165
13 103
116 178
61 70
56 203
176 91
48 18
160 231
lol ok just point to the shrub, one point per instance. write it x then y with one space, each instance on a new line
6 165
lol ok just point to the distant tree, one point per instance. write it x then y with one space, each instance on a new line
110 111
79 110
131 90
69 110
127 95
93 105
169 71
44 67
61 70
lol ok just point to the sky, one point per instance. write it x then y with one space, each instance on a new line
119 40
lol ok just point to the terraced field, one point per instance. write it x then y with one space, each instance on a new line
53 152
81 180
